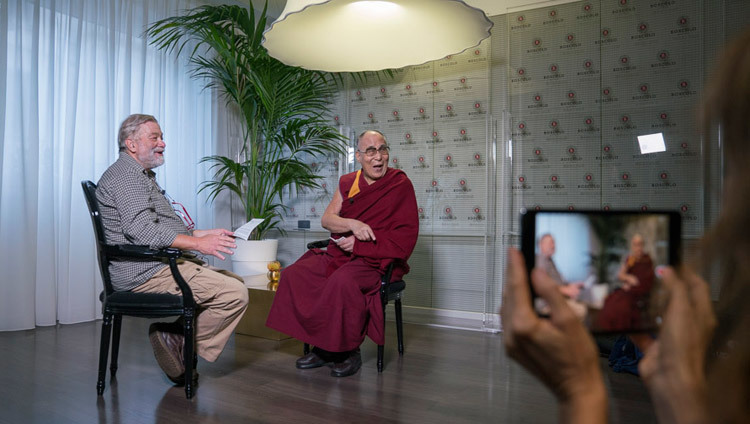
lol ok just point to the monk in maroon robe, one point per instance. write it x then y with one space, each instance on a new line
330 298
627 308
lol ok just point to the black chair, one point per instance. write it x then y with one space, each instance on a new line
389 290
115 304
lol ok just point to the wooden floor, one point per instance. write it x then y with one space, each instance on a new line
48 375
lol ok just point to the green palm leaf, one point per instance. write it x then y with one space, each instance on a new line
282 106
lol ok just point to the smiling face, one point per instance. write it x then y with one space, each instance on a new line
374 166
147 145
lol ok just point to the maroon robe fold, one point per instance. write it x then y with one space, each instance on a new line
629 309
330 298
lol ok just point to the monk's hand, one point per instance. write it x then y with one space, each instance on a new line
559 351
361 231
673 365
346 243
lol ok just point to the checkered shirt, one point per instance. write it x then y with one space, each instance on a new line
135 211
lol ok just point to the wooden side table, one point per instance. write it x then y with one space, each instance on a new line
253 323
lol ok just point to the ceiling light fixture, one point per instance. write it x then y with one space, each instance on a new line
356 35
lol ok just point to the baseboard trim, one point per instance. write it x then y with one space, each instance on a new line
445 318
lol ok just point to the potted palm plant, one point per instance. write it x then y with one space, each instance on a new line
612 244
281 106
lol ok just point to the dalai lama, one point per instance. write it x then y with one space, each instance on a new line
330 298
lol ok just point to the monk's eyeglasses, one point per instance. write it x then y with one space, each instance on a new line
370 151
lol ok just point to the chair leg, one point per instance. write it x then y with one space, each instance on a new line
104 352
306 348
399 327
380 358
188 353
381 347
117 324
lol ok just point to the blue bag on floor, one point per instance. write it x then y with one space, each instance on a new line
625 356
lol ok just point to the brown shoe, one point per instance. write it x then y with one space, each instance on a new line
180 381
349 366
167 350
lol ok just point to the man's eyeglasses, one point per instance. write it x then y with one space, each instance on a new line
370 151
182 212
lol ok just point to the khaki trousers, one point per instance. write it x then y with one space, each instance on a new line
221 298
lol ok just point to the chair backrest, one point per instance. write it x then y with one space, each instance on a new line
89 192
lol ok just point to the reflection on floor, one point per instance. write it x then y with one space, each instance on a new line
48 375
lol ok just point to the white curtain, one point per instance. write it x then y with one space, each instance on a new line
70 72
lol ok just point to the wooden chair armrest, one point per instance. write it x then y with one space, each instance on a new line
317 244
144 252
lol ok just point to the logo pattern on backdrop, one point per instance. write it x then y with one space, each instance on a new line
583 81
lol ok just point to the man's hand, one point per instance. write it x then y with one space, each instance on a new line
673 366
361 231
209 242
559 351
215 231
571 290
346 243
214 242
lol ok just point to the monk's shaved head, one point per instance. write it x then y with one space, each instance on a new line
370 132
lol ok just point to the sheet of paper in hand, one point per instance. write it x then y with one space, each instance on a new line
244 231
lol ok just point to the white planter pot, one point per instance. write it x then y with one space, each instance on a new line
251 257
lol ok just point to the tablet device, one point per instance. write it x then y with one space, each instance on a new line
605 263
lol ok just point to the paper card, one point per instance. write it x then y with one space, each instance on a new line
244 231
